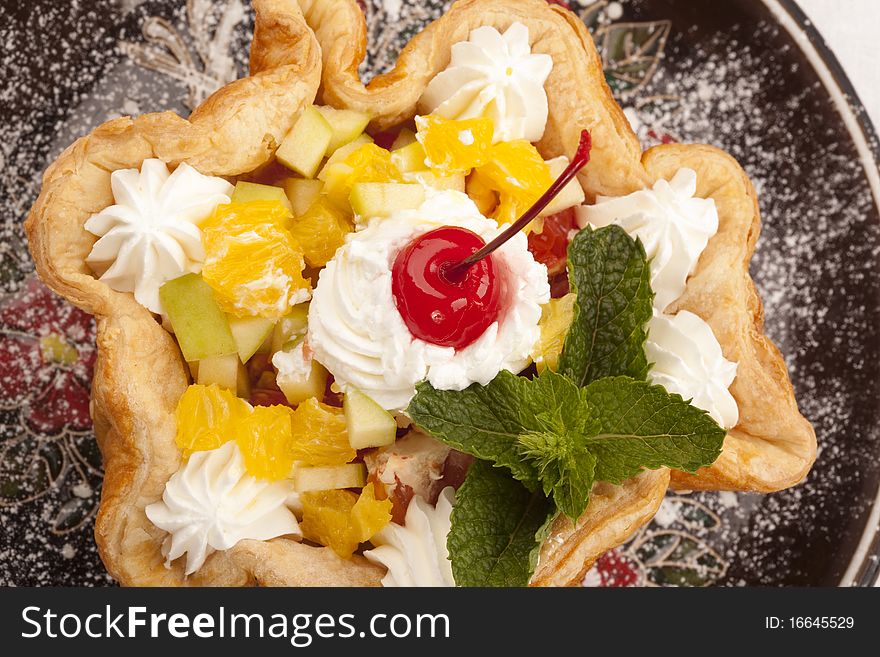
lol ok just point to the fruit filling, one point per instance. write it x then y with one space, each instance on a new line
242 314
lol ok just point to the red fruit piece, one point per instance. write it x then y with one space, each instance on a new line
550 246
441 307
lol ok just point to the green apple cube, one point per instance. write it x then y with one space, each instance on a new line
382 199
304 146
346 125
222 370
290 328
246 192
302 192
368 424
298 389
200 326
410 158
404 138
250 333
570 196
329 477
343 152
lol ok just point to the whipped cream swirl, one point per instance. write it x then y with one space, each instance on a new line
673 224
212 503
687 360
495 76
151 234
356 331
415 554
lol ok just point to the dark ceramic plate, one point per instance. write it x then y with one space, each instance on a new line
750 76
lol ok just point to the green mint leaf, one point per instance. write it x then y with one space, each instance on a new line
610 274
566 468
551 434
484 421
639 425
495 528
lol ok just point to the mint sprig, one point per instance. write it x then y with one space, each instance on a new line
552 434
495 522
557 434
610 274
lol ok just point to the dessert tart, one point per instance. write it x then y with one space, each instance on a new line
449 328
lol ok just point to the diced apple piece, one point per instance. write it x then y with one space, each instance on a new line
442 183
249 334
345 124
341 153
404 138
329 477
368 424
200 326
222 370
381 199
298 388
570 196
245 192
302 193
304 146
292 326
410 158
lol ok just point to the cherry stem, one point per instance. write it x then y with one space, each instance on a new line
578 162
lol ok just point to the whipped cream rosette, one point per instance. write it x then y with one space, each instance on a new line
151 234
497 76
212 503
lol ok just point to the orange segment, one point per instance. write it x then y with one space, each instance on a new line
266 442
519 174
320 231
370 514
237 217
251 261
341 520
207 417
326 520
455 146
319 434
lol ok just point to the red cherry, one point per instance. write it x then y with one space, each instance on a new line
450 309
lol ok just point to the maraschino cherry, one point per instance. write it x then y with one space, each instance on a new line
447 290
443 309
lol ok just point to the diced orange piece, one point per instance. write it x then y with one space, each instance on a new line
266 442
516 169
319 434
341 520
327 520
252 262
207 417
370 514
320 231
455 146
